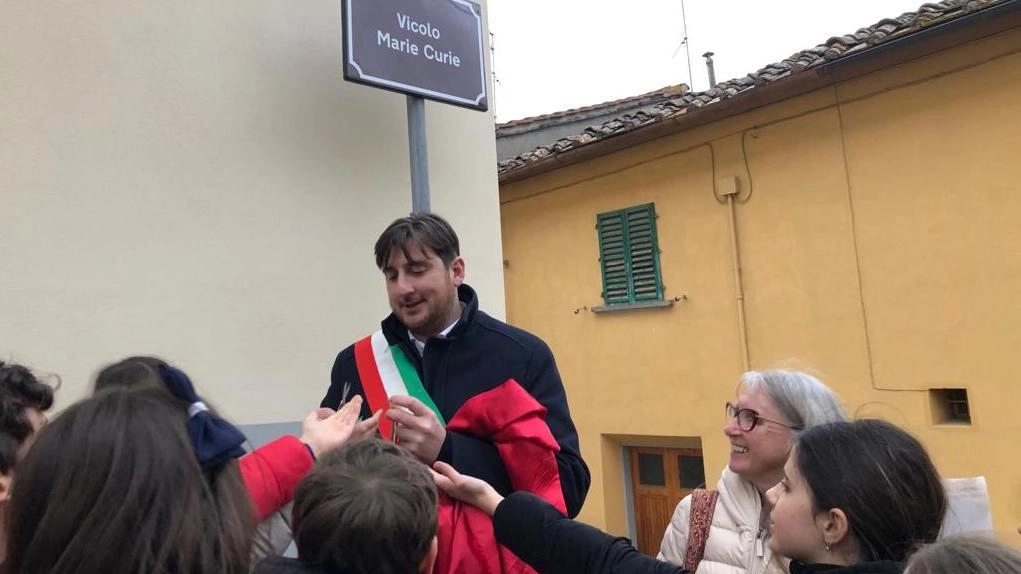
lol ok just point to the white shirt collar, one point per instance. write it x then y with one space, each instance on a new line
420 345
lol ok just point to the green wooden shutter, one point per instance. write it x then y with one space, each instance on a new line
613 257
629 255
644 254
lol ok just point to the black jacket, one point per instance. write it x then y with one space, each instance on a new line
281 565
880 567
551 543
479 354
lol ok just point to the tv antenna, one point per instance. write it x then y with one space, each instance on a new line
684 42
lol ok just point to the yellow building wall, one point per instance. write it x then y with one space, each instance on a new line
880 238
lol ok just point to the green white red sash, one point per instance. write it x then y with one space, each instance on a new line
385 371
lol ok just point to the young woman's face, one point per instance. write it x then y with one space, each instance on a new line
793 527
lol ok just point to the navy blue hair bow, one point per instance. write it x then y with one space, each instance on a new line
214 440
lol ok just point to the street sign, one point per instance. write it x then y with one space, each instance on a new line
427 48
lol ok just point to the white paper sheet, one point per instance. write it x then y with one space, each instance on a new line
968 510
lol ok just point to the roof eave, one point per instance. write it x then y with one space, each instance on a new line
930 40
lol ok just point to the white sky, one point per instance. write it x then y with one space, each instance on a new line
553 55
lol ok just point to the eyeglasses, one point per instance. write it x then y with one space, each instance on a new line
747 419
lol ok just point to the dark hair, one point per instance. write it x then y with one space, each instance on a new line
421 229
132 372
972 554
367 508
20 391
139 373
112 485
143 373
883 480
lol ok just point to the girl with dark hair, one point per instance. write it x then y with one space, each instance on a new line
855 498
270 472
23 402
139 478
863 495
114 485
24 399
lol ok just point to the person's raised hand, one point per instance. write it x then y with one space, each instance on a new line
324 430
366 428
474 491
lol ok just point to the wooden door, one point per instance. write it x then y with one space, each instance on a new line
660 478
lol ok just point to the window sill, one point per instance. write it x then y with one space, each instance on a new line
633 306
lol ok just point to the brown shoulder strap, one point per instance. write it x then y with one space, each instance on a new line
703 505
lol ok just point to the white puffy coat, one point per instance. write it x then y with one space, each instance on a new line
736 544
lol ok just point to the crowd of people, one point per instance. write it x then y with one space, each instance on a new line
445 445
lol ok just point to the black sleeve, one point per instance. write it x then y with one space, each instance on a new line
551 543
476 457
543 382
345 372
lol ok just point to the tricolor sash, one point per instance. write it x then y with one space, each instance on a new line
385 371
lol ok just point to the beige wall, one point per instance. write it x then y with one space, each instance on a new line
879 246
196 180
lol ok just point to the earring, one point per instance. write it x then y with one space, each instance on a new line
827 548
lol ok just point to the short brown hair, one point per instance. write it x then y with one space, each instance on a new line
367 508
421 229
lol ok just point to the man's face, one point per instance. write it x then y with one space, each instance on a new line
422 290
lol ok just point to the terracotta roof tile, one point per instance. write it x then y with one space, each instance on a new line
648 98
679 103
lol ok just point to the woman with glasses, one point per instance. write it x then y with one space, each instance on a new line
853 498
772 407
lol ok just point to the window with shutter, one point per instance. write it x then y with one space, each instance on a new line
629 255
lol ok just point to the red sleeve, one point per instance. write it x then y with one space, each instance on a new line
514 422
271 473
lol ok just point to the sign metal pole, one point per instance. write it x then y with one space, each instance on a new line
418 150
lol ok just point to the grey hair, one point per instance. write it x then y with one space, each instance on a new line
965 554
803 400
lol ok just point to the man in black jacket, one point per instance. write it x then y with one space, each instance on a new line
456 352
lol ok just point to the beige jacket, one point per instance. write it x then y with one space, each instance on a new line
736 545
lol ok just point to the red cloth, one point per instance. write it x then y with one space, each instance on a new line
272 472
515 423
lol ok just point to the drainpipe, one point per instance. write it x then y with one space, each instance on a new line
730 188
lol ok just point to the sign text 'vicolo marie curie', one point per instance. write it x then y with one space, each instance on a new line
427 48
